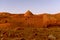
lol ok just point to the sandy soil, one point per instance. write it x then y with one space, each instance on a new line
29 26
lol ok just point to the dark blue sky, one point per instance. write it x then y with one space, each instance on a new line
36 6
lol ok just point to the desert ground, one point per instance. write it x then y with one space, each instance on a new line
28 26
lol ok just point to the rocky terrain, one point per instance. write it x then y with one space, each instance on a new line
28 26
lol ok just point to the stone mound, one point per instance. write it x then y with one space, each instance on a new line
28 13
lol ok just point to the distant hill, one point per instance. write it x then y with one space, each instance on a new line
28 19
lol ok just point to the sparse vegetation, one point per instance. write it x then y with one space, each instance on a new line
35 27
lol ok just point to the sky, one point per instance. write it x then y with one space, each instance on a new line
35 6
